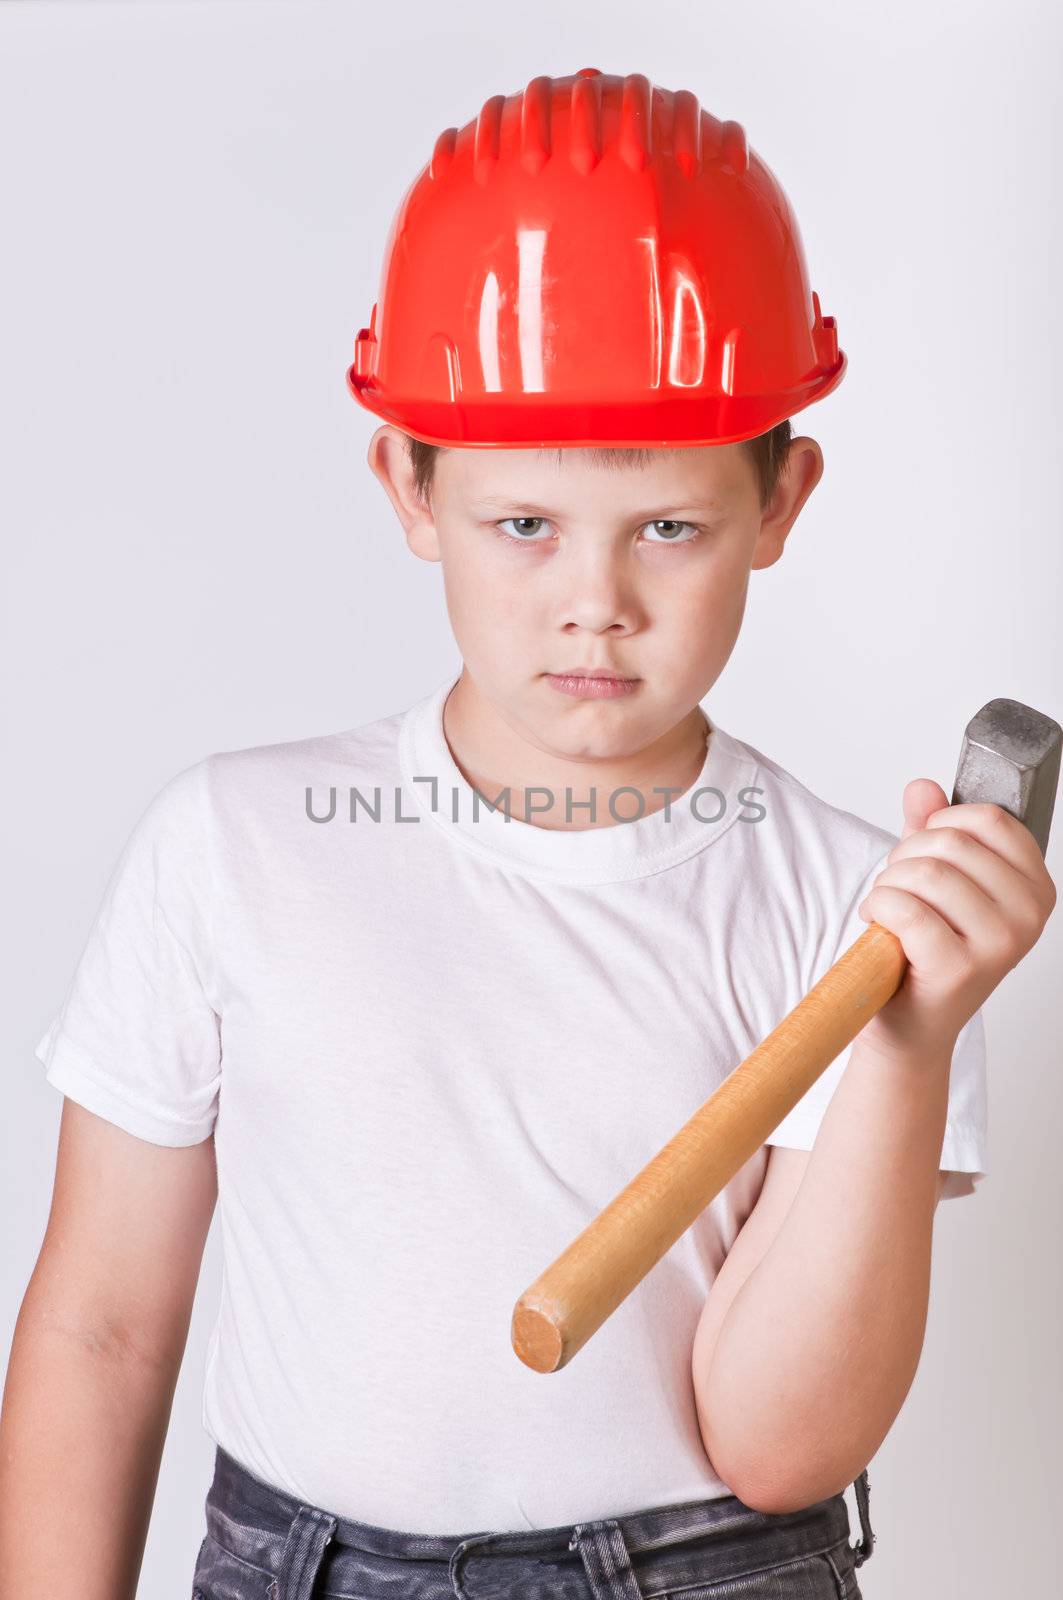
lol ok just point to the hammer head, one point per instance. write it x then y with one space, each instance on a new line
1010 758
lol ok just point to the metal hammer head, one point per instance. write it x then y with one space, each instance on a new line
1010 758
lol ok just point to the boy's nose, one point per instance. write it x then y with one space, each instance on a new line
600 611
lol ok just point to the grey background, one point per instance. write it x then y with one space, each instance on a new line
194 201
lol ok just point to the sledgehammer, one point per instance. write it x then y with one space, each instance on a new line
1010 757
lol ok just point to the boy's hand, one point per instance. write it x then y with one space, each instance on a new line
967 893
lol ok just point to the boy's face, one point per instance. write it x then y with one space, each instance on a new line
554 564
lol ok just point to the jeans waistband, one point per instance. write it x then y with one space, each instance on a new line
282 1535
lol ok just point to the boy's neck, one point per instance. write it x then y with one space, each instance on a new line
492 757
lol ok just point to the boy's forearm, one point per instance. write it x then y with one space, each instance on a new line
818 1350
82 1430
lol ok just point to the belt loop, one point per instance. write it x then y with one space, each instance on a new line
867 1541
304 1547
461 1550
605 1559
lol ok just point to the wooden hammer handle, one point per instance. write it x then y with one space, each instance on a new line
570 1300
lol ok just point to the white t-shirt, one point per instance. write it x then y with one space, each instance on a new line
432 1046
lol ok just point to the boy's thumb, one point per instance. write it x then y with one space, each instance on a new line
922 797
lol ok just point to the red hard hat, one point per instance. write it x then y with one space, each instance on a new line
594 261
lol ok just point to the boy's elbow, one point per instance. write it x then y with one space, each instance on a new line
758 1492
792 1486
738 1480
774 1497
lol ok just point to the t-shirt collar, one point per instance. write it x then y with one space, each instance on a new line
605 853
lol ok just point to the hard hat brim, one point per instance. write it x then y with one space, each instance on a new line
545 421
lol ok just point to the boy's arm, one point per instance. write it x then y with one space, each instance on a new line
95 1357
814 1355
811 1335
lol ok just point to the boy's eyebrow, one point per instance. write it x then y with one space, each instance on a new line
529 508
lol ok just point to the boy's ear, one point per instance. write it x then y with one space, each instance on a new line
389 460
801 472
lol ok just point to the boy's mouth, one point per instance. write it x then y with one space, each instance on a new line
597 683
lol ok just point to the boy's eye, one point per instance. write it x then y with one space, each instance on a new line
524 533
670 531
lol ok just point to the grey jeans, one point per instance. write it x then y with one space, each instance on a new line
263 1544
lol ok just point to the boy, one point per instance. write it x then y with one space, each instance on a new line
428 1040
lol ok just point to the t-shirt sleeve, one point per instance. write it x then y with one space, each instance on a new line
137 1037
964 1145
